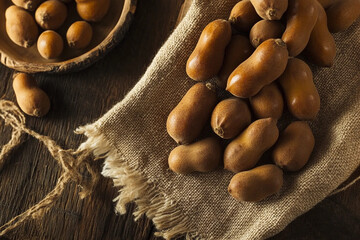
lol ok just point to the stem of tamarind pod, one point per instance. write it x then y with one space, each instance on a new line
256 42
44 17
232 20
271 14
71 44
219 131
27 44
37 112
211 86
280 42
29 5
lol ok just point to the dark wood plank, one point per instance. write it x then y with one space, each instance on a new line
79 98
336 217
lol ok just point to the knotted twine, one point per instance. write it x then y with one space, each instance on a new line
73 163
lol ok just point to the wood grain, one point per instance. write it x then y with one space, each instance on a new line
77 99
82 97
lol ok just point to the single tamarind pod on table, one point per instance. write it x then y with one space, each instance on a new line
31 99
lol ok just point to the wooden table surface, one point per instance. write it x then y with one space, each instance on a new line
80 98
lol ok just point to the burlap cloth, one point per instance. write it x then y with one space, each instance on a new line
132 135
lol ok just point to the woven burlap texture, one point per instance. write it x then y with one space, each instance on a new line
133 136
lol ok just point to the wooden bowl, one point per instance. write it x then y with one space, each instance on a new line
106 34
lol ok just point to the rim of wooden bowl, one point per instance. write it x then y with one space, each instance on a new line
85 60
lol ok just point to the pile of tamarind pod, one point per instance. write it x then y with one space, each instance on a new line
24 18
254 56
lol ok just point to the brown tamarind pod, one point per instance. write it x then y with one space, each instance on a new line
293 149
264 30
230 117
207 58
301 18
243 16
188 118
31 99
321 48
238 50
327 3
202 156
256 184
342 14
268 102
270 9
245 150
264 66
301 95
21 26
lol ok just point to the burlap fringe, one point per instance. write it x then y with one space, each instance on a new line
134 187
73 164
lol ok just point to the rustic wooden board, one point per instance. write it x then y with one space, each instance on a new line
79 98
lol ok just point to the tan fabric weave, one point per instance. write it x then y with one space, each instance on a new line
135 133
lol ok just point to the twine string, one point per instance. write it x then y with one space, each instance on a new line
13 117
72 162
338 190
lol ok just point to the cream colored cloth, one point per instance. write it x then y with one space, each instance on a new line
133 137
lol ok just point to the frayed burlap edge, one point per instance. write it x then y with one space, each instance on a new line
134 187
